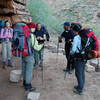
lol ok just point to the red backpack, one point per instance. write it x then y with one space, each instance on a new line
90 42
87 33
21 45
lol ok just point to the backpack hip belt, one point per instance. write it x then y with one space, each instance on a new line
7 39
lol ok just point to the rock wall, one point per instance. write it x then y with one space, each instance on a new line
14 10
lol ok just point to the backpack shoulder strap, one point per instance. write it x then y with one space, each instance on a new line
33 40
86 45
4 31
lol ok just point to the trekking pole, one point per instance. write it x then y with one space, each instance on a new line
66 68
42 70
65 74
57 51
42 74
97 67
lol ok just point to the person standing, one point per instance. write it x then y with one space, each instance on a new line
68 35
6 37
36 46
41 35
79 61
28 61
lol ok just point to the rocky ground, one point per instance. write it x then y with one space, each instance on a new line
53 87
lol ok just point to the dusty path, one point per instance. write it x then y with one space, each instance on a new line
54 86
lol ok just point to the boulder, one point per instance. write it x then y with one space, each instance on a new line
95 62
90 68
33 96
15 76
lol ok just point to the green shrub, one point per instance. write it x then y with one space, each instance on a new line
42 12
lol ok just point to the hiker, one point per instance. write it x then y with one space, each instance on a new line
37 47
68 35
23 47
6 38
41 35
79 62
83 44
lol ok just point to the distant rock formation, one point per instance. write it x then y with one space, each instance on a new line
14 10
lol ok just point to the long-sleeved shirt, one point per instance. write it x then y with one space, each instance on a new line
68 34
41 33
76 45
6 33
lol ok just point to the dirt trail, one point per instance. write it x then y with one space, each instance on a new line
54 86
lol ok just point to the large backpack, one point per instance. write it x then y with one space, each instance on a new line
89 40
2 25
21 44
44 29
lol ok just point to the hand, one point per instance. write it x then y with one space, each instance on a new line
41 38
59 39
38 38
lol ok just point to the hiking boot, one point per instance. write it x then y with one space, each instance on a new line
68 70
24 83
9 63
4 65
76 90
41 65
32 89
75 87
28 87
71 71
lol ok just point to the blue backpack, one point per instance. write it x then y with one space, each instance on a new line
21 42
2 25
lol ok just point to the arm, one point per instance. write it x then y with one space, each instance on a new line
74 46
35 43
47 36
63 35
60 37
1 34
10 34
